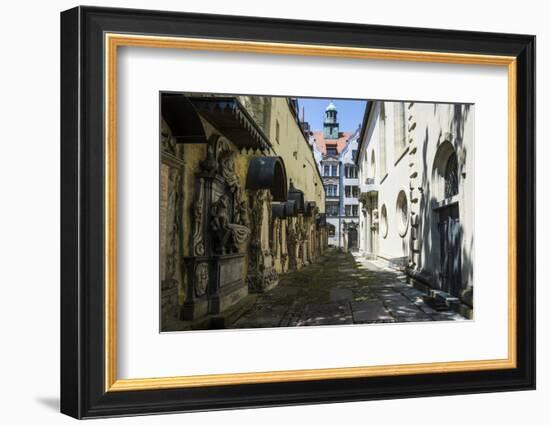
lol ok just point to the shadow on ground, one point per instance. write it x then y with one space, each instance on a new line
337 290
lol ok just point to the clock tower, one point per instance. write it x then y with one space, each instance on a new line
331 128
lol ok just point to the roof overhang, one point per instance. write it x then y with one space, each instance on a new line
182 118
230 117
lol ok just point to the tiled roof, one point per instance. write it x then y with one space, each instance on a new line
340 143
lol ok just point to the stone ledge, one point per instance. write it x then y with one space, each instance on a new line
419 281
217 321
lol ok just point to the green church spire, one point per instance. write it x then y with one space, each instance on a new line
331 128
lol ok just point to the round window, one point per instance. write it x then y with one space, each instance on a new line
384 221
402 213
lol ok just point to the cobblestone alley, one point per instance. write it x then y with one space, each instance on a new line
340 289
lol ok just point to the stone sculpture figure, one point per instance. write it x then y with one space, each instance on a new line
209 165
227 168
243 213
197 241
167 141
228 236
201 279
293 241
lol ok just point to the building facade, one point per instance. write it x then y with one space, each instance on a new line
416 178
241 202
335 153
349 182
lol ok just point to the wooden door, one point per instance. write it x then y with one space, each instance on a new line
450 234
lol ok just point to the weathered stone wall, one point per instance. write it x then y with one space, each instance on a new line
288 142
267 251
295 236
170 305
171 229
296 152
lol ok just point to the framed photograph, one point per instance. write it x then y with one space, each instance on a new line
261 212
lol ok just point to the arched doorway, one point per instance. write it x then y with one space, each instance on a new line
352 239
449 228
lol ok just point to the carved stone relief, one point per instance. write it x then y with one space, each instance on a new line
262 274
201 279
227 236
167 142
283 247
173 222
197 242
171 201
221 228
293 239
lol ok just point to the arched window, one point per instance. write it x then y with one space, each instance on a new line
451 176
445 178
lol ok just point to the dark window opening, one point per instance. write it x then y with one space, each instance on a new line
451 176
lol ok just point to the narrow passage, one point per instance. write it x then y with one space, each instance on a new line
340 289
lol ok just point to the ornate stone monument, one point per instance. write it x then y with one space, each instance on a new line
261 271
215 271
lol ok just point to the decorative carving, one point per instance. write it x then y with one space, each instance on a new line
218 209
210 164
227 169
259 200
292 240
201 279
167 141
275 237
283 247
262 274
220 162
174 217
227 236
198 207
291 235
243 212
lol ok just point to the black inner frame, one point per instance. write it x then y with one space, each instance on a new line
82 211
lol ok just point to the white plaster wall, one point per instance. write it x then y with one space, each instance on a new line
369 143
435 126
397 165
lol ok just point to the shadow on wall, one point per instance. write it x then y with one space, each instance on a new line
429 230
405 245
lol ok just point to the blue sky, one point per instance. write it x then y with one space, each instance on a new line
350 112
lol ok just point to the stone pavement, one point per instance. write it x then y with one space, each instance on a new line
340 289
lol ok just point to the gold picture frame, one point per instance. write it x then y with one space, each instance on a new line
114 41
